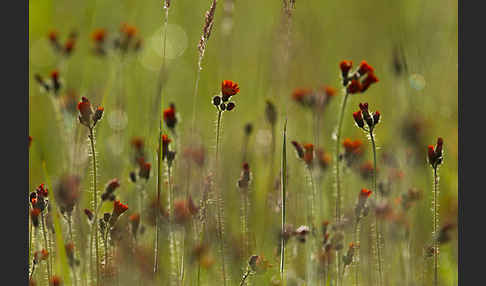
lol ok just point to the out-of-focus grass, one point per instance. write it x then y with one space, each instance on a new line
322 34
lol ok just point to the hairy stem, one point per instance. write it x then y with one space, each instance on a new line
338 177
436 222
95 199
377 222
46 245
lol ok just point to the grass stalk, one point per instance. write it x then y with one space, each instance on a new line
283 185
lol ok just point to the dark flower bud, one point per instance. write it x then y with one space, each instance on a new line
298 149
345 67
98 114
133 177
225 97
354 86
89 214
169 116
222 106
364 68
271 113
248 129
358 118
106 217
230 106
376 117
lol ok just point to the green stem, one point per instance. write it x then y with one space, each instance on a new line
357 258
159 187
338 177
283 182
95 222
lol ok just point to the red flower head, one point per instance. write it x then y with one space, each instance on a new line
128 30
85 111
169 116
352 147
440 142
324 158
34 216
354 86
69 46
55 75
364 68
89 214
42 191
308 154
330 91
55 281
52 36
138 143
376 117
300 94
229 88
365 193
358 118
369 80
144 168
345 67
119 208
435 155
99 35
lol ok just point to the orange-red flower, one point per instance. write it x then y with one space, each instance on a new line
365 193
165 145
229 88
52 36
119 208
324 158
300 94
354 87
364 68
99 35
345 67
330 91
352 147
128 30
85 111
309 153
55 281
169 116
144 168
358 118
369 80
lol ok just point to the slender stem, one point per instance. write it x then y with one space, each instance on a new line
44 233
436 220
245 275
338 177
357 257
159 186
218 127
283 182
95 223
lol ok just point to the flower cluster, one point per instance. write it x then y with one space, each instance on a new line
126 41
353 150
184 210
118 210
166 153
110 188
435 154
362 208
229 88
310 98
170 118
363 115
53 84
305 152
66 48
87 116
38 198
354 82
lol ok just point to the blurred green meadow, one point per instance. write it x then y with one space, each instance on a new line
249 45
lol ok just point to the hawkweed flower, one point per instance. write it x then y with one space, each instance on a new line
53 83
353 150
110 188
363 115
87 116
145 167
34 216
170 117
308 154
165 146
138 147
302 96
72 261
361 208
99 38
358 81
56 84
134 223
435 153
184 210
40 256
55 281
118 209
127 40
229 88
258 264
323 158
348 257
67 193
